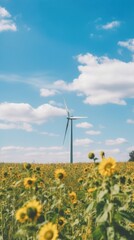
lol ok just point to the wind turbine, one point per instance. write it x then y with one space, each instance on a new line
71 119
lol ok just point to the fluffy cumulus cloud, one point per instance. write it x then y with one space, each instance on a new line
23 126
4 12
25 113
130 121
93 132
6 21
83 142
102 80
47 92
111 25
129 44
131 148
116 141
84 125
13 153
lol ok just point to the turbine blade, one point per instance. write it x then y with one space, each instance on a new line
68 113
66 130
77 117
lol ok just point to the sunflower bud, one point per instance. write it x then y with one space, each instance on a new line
27 166
91 155
102 154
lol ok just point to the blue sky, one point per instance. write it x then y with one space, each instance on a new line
81 51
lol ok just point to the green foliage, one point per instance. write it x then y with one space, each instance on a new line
131 155
103 209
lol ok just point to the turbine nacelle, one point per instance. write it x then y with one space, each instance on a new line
75 117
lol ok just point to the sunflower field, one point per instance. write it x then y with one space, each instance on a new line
81 201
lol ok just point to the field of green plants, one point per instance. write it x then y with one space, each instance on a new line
83 201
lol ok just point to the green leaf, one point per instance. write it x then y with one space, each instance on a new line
89 208
110 233
108 207
102 218
75 222
127 215
123 232
115 189
97 234
100 207
102 194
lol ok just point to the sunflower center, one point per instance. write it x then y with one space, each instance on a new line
29 182
60 175
22 215
108 166
49 235
31 212
60 222
73 197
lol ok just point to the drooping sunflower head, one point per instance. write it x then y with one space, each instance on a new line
21 215
48 232
107 166
29 182
33 210
73 197
60 174
102 154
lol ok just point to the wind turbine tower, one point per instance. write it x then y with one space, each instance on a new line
70 119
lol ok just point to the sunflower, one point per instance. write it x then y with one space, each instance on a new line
80 180
102 154
91 155
33 210
27 166
86 169
90 190
67 212
73 197
107 166
60 174
131 225
48 232
61 222
21 215
29 182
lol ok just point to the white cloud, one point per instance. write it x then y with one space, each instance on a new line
131 148
49 134
23 112
116 141
60 84
6 25
4 13
107 152
12 148
129 44
92 132
84 125
111 25
6 22
47 92
83 142
23 126
46 154
54 103
102 80
130 121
